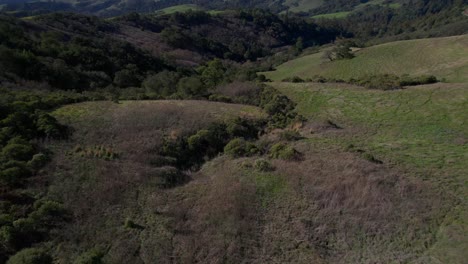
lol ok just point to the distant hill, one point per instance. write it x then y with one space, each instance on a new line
93 51
118 7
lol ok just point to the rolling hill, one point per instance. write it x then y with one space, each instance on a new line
119 7
446 58
151 138
308 214
421 130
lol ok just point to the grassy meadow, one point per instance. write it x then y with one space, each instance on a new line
302 5
357 8
421 130
446 58
179 8
107 168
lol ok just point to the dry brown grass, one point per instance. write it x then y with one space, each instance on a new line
329 207
332 207
102 194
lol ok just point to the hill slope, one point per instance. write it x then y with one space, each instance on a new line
421 130
446 58
118 7
310 209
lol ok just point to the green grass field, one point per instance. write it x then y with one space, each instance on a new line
357 8
333 15
446 58
422 130
302 5
179 8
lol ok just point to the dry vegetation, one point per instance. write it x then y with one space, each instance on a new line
117 204
328 207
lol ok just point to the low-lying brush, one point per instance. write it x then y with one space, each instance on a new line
374 81
239 147
263 165
283 151
99 152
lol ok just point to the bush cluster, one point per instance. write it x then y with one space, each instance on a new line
373 81
279 107
283 151
190 151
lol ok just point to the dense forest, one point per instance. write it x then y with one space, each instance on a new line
71 51
414 19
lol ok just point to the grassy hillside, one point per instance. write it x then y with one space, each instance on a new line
108 168
422 130
333 15
179 8
311 208
360 7
446 58
302 5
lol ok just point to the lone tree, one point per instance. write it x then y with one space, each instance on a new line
342 51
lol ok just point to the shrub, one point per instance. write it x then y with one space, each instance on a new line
163 83
263 165
48 126
279 107
31 256
13 176
191 87
38 161
93 256
6 219
290 135
220 98
47 213
411 81
371 158
244 128
7 237
239 147
295 79
22 151
170 177
241 92
283 151
131 225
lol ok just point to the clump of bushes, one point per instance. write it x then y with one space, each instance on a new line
31 256
374 81
371 158
130 224
283 151
294 79
93 256
170 177
290 135
16 234
381 82
239 147
38 161
391 82
406 80
279 107
189 152
100 152
263 165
